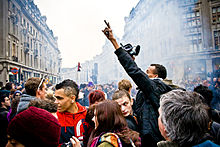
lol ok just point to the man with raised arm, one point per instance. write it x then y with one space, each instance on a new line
150 88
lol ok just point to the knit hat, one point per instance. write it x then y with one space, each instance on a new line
90 84
17 91
35 127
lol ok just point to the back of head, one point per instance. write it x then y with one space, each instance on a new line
160 70
9 86
109 114
96 96
124 84
185 117
35 127
205 92
120 93
31 85
45 104
70 87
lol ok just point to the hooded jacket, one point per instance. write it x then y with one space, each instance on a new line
147 98
72 124
24 102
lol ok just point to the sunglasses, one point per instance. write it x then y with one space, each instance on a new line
41 82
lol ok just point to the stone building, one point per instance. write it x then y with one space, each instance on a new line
181 34
28 47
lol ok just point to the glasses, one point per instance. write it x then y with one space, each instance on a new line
41 82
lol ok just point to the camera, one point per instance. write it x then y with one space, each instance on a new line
132 51
68 144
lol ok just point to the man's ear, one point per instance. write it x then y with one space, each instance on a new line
38 93
73 97
132 101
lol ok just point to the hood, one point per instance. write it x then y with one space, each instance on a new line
160 87
24 102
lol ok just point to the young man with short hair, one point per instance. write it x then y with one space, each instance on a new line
71 114
35 88
123 98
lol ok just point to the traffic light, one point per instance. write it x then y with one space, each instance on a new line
79 67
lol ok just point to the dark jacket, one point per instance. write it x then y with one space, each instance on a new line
132 123
215 132
147 98
215 115
3 127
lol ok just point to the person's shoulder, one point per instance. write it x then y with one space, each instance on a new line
206 143
167 144
26 97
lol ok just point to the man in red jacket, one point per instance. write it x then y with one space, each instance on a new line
71 114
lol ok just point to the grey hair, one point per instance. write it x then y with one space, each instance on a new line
185 116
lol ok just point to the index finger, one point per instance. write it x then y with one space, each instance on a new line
107 23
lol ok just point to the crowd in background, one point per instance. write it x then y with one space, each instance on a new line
156 113
88 95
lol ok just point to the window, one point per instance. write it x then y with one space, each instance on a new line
28 26
197 14
31 43
24 22
216 39
188 15
13 50
31 61
9 48
213 10
9 22
218 9
198 22
31 30
13 8
193 23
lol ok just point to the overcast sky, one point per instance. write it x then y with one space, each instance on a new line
78 25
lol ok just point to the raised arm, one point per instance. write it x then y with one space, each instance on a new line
139 77
108 33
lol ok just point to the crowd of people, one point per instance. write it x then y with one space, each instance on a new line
158 114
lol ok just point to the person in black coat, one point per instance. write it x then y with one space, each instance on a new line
4 106
150 88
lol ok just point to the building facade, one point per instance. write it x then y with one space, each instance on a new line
28 48
183 35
